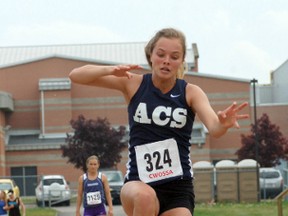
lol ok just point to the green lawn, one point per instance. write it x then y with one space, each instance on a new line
40 212
249 209
263 208
36 211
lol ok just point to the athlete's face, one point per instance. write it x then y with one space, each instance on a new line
10 195
93 165
1 195
167 57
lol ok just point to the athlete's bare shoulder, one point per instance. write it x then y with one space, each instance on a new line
132 85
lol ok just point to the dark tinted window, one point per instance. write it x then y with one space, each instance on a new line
51 181
269 175
113 177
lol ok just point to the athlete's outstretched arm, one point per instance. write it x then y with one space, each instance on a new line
217 124
113 77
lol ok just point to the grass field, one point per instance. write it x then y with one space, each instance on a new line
35 211
263 208
40 212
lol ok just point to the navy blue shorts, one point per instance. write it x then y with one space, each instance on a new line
174 194
98 210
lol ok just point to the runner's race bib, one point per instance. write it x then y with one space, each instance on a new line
93 198
158 161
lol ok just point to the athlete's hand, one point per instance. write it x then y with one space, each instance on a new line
123 70
110 212
229 117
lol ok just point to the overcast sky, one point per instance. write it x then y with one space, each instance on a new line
236 38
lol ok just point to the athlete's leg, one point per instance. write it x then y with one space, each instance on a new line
177 211
139 199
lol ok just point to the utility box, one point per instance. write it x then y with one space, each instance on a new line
203 181
226 181
248 180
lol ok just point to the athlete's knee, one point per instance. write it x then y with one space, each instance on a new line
139 195
143 197
139 199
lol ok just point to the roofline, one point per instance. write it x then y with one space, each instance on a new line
199 74
115 63
60 56
280 66
80 44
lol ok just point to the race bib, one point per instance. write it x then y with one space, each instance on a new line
159 160
93 198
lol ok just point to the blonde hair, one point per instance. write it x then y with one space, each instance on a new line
93 157
168 33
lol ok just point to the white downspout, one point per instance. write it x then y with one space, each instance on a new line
42 114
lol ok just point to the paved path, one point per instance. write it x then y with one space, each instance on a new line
70 210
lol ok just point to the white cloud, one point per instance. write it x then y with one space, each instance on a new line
279 18
250 61
235 38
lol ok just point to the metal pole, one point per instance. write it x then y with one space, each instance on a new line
43 195
254 81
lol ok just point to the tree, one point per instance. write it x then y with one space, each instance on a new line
272 145
94 137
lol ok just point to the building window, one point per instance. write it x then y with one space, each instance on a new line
198 136
26 179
